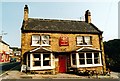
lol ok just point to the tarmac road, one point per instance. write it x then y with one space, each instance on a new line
7 66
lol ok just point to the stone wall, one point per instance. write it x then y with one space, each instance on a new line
54 42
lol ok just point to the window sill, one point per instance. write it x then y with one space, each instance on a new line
90 65
84 45
40 45
41 68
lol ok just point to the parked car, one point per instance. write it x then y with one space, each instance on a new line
13 60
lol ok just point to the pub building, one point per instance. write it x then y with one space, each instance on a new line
61 46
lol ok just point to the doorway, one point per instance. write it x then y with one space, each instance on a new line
62 63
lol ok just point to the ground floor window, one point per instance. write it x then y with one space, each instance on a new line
39 59
46 60
36 59
74 59
90 58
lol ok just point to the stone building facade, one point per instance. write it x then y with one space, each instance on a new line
61 46
4 51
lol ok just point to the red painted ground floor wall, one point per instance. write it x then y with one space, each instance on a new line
4 57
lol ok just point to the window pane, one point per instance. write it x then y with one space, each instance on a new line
36 60
89 58
96 55
79 40
37 63
45 39
81 55
82 61
74 59
89 61
96 58
89 55
35 39
81 58
46 60
28 60
87 40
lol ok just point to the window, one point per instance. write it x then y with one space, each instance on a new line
74 59
37 60
84 40
96 58
46 60
38 40
42 59
79 40
35 39
87 40
45 40
89 58
81 59
28 60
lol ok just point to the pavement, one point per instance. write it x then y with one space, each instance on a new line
16 74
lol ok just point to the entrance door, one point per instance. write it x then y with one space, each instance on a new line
62 63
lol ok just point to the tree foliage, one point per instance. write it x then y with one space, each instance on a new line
112 51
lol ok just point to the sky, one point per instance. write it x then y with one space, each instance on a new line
104 15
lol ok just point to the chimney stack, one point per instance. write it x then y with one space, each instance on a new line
26 11
88 16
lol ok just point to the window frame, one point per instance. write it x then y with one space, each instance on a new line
83 43
40 40
47 40
93 64
33 44
31 67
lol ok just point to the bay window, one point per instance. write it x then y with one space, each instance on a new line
41 59
86 59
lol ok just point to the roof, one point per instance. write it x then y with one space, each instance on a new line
88 49
62 26
4 42
40 50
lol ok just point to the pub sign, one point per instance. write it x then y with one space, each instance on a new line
63 41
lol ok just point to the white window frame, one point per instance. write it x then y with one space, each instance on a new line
86 65
52 66
47 40
34 44
40 40
83 39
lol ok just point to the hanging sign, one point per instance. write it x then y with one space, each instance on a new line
63 41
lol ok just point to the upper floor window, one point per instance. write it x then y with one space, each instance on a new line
45 40
84 40
35 39
38 40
